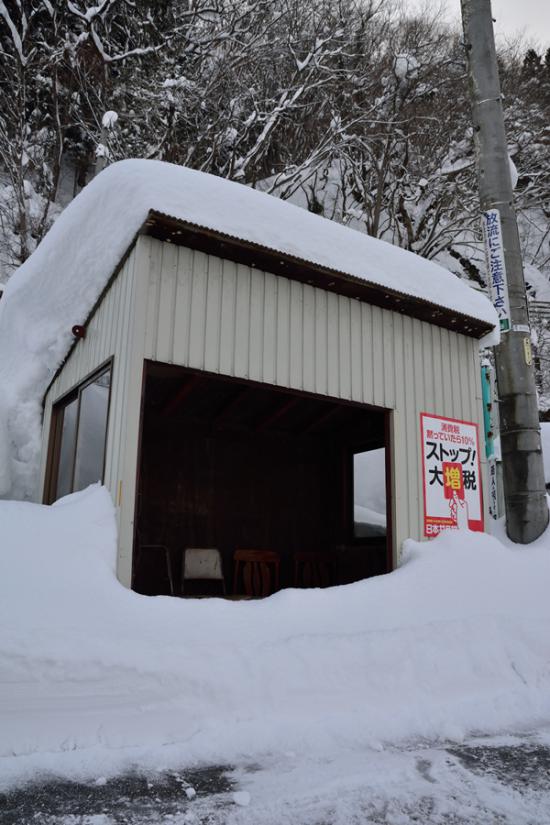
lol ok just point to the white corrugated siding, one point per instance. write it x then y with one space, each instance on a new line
107 336
202 312
215 315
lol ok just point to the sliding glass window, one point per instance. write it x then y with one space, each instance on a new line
79 430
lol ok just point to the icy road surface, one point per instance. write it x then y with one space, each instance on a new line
481 782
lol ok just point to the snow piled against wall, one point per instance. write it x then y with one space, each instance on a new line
545 439
96 677
59 284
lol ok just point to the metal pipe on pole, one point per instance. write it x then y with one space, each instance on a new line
523 472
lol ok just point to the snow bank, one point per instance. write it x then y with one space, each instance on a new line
545 439
95 678
57 287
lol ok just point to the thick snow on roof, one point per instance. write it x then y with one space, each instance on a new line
59 284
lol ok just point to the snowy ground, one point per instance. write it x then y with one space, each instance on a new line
352 704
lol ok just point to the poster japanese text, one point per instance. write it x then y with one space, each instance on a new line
451 474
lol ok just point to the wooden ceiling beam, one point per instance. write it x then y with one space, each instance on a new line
231 406
325 416
274 415
184 392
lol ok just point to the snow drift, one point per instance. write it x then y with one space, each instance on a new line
96 677
59 284
545 440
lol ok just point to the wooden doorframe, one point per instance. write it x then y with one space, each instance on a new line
388 444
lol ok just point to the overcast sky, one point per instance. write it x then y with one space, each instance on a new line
528 17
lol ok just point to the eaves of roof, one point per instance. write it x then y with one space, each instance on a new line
183 233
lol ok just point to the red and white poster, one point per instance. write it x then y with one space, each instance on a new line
451 473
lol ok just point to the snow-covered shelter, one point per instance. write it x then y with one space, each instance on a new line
234 363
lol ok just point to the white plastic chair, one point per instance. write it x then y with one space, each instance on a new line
202 564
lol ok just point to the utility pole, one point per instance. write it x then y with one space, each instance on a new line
522 464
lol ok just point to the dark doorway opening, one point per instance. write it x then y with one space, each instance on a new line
233 465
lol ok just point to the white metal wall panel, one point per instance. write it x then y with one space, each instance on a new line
107 336
212 314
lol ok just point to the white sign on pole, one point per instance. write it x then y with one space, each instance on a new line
451 473
496 266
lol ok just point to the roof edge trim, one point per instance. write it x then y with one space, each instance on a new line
213 242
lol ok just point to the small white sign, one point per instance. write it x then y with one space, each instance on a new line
452 474
496 266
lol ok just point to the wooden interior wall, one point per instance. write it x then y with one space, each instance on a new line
239 490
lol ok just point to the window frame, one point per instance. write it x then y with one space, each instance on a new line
56 430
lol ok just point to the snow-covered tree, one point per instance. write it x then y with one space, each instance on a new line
349 107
